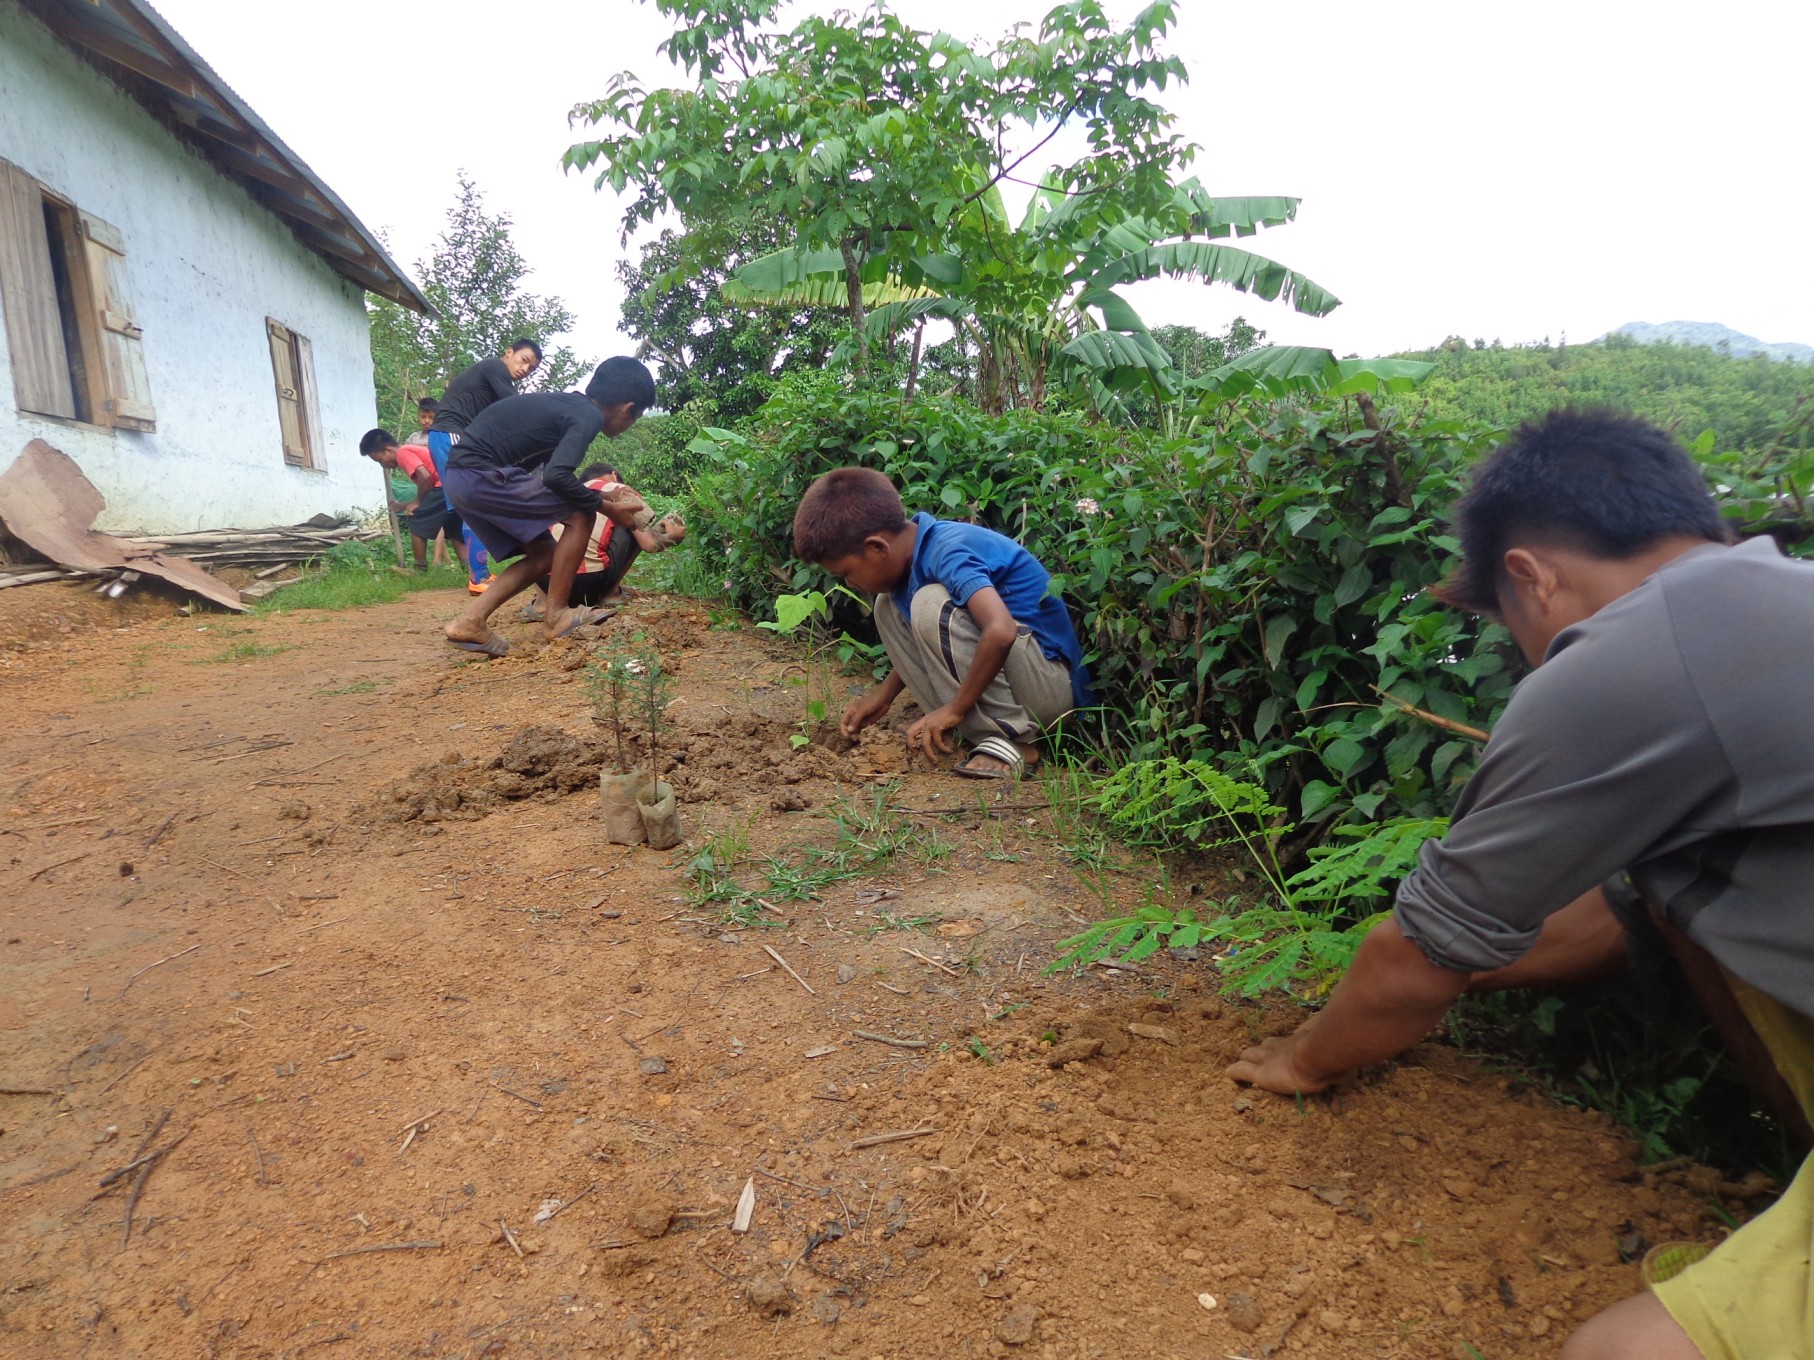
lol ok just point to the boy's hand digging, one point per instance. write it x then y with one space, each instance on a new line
927 735
868 707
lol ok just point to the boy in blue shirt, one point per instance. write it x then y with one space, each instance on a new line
967 616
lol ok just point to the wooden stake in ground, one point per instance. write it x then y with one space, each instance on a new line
396 524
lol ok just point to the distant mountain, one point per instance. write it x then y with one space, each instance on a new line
1712 335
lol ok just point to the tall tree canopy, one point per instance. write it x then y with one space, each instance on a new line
886 150
475 283
707 347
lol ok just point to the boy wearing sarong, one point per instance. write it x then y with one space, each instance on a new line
511 478
967 616
1658 768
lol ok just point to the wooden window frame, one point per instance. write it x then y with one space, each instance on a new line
66 298
298 398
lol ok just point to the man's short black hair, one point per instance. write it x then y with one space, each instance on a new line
843 508
593 471
524 342
429 404
1605 483
621 380
376 441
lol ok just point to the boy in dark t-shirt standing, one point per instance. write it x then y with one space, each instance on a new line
511 477
470 393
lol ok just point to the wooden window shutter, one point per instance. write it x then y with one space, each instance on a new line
127 402
311 401
34 323
289 394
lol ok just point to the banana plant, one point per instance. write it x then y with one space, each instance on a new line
1039 302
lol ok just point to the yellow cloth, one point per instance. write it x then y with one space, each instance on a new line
1753 1298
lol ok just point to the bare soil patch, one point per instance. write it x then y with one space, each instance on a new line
454 1078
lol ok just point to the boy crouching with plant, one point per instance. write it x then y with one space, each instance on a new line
966 614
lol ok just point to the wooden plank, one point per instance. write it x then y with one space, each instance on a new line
34 323
128 402
104 45
311 399
87 364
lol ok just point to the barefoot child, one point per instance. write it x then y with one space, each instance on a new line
428 512
511 478
471 392
1654 772
966 616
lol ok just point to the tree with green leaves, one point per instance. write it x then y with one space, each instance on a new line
475 284
887 149
709 349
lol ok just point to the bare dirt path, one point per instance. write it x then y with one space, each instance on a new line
453 1078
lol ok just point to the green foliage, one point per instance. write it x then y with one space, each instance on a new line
884 148
718 360
474 283
630 690
1285 943
1369 862
1749 421
356 573
1174 803
869 837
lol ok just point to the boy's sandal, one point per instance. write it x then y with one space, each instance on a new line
996 748
495 645
531 612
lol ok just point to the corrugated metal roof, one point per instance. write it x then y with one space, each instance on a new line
131 44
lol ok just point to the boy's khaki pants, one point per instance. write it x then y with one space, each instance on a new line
932 653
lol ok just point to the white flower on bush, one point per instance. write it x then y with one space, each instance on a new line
1088 506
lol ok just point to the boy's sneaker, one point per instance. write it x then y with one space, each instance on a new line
478 587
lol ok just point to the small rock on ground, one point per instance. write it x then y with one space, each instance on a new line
1016 1326
768 1295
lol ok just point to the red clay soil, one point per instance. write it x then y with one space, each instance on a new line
434 1071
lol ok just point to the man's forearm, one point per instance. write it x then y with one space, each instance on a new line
1390 999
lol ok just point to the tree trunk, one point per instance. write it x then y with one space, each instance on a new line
853 293
913 361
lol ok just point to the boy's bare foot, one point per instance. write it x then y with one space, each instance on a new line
463 629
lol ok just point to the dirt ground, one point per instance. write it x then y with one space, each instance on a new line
234 917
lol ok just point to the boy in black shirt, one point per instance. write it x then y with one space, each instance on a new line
471 392
511 477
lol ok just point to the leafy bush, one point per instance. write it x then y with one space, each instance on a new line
1303 935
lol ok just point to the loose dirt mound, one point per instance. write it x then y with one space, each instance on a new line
537 762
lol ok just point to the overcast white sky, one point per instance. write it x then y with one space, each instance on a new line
1495 170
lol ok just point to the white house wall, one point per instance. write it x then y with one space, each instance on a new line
207 266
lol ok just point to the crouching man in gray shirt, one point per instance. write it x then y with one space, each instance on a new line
1664 743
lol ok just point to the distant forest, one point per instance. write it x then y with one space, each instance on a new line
1747 403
